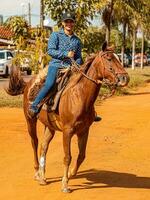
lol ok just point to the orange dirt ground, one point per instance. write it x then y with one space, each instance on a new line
117 166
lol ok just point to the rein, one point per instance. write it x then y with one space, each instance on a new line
97 82
76 66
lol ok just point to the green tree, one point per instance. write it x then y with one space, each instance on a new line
84 11
116 39
20 29
92 40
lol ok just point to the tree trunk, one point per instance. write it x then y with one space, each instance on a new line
107 34
108 26
123 42
29 14
133 48
41 13
142 50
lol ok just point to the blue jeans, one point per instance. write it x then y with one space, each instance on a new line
50 80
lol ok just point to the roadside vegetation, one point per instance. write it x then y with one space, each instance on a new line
138 78
10 101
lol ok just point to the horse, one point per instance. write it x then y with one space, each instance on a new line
75 110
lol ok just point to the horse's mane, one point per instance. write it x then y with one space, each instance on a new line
88 60
77 77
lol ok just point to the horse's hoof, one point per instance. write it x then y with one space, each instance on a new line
36 177
66 190
42 182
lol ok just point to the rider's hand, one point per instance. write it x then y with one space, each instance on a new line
71 54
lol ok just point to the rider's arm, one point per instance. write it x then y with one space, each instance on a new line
53 50
78 56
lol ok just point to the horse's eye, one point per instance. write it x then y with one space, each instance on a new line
111 69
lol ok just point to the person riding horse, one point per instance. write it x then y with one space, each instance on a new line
62 47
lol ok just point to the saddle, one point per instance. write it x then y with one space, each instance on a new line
51 101
63 77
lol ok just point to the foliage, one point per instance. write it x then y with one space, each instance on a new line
116 39
124 11
93 39
139 43
34 53
83 10
19 27
39 48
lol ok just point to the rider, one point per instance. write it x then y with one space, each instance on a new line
62 46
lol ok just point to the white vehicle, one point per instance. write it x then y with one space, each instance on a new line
5 62
25 66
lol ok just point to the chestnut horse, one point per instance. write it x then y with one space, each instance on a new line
76 109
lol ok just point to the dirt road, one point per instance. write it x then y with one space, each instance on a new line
117 166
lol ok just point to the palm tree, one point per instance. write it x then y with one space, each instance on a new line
134 25
144 22
122 11
142 49
107 14
41 13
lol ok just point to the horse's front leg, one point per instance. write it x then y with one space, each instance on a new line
67 135
48 136
82 143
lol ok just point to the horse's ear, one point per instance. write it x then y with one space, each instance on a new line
104 46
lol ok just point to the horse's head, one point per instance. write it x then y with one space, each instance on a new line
110 68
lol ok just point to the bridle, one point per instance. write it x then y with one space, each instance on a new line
110 69
97 82
111 86
77 68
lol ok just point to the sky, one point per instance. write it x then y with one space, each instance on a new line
20 7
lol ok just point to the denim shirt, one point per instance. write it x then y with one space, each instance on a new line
59 45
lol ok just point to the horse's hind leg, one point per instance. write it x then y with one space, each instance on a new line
48 136
34 141
82 142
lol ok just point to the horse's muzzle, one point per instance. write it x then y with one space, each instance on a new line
123 80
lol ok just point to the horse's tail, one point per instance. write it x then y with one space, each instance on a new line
16 83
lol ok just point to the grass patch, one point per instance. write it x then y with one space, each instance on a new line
10 101
138 78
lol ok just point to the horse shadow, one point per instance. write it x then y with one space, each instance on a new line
107 179
136 93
